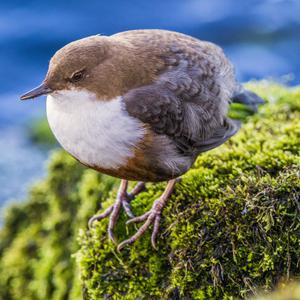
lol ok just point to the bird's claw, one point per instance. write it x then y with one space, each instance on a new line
151 217
123 200
113 211
99 217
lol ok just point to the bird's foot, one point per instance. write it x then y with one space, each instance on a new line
153 216
123 200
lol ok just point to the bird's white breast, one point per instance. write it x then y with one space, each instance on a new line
98 133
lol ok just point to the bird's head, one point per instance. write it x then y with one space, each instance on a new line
78 65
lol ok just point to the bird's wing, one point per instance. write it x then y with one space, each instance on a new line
187 104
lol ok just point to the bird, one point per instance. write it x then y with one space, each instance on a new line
140 105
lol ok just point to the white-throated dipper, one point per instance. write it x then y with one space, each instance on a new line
140 105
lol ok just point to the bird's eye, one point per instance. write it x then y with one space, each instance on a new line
77 76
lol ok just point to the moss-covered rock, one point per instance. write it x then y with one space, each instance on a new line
230 228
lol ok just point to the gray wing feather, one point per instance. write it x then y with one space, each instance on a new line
221 135
187 104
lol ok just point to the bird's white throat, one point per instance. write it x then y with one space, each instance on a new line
98 133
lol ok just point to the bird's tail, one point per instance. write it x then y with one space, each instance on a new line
248 98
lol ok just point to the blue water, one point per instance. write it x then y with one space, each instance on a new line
262 38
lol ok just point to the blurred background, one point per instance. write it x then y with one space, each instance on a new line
261 37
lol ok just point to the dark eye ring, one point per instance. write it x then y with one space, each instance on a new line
77 76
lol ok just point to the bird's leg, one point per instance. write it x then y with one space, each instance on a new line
123 200
139 187
152 216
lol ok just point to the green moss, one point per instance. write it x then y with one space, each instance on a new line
230 229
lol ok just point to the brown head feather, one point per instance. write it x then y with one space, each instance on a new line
107 66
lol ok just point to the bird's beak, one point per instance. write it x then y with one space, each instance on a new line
43 89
